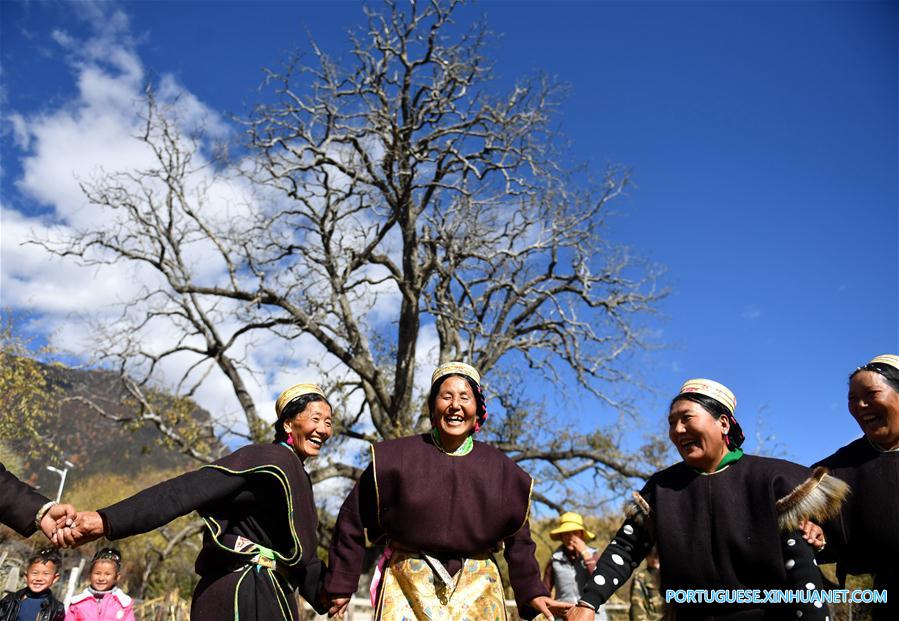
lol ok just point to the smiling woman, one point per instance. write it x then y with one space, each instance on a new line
260 539
720 519
865 537
443 504
703 428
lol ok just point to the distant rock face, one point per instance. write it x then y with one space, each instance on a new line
94 443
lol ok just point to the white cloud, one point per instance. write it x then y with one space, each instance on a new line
62 38
93 134
426 357
66 143
32 278
19 130
751 314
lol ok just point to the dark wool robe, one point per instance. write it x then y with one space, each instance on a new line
18 503
260 493
416 496
864 537
715 531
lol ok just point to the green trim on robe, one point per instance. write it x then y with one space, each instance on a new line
729 458
216 531
464 449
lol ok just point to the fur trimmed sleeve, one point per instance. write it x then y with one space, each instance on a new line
817 498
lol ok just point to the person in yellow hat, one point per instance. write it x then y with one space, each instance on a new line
571 564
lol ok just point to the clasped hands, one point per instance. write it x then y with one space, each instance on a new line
67 528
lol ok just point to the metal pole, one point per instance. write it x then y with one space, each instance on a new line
73 581
62 484
12 580
62 477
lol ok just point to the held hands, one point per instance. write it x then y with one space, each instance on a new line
339 606
84 528
55 515
581 613
813 534
550 607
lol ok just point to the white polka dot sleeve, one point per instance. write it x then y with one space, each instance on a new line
802 575
626 550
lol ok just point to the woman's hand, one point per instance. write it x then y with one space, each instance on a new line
550 607
86 527
581 613
813 534
55 516
578 545
339 605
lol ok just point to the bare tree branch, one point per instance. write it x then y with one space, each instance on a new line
394 194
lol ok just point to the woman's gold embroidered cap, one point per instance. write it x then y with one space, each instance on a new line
888 359
456 367
297 390
710 388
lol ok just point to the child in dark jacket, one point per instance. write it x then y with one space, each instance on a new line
36 602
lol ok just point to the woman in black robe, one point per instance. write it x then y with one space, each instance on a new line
260 539
444 505
25 510
722 521
864 538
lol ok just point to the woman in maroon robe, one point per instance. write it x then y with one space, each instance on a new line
444 504
260 539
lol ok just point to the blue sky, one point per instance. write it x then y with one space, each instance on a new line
762 138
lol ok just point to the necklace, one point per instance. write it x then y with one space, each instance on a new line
464 448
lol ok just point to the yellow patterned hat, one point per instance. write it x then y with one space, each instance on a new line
710 388
297 390
456 367
888 359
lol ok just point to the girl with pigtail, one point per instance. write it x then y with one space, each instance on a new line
103 600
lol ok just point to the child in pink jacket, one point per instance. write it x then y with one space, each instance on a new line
102 600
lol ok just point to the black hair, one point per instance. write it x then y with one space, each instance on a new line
888 372
108 554
475 389
46 555
710 405
293 409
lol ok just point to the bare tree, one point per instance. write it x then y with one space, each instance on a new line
397 194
